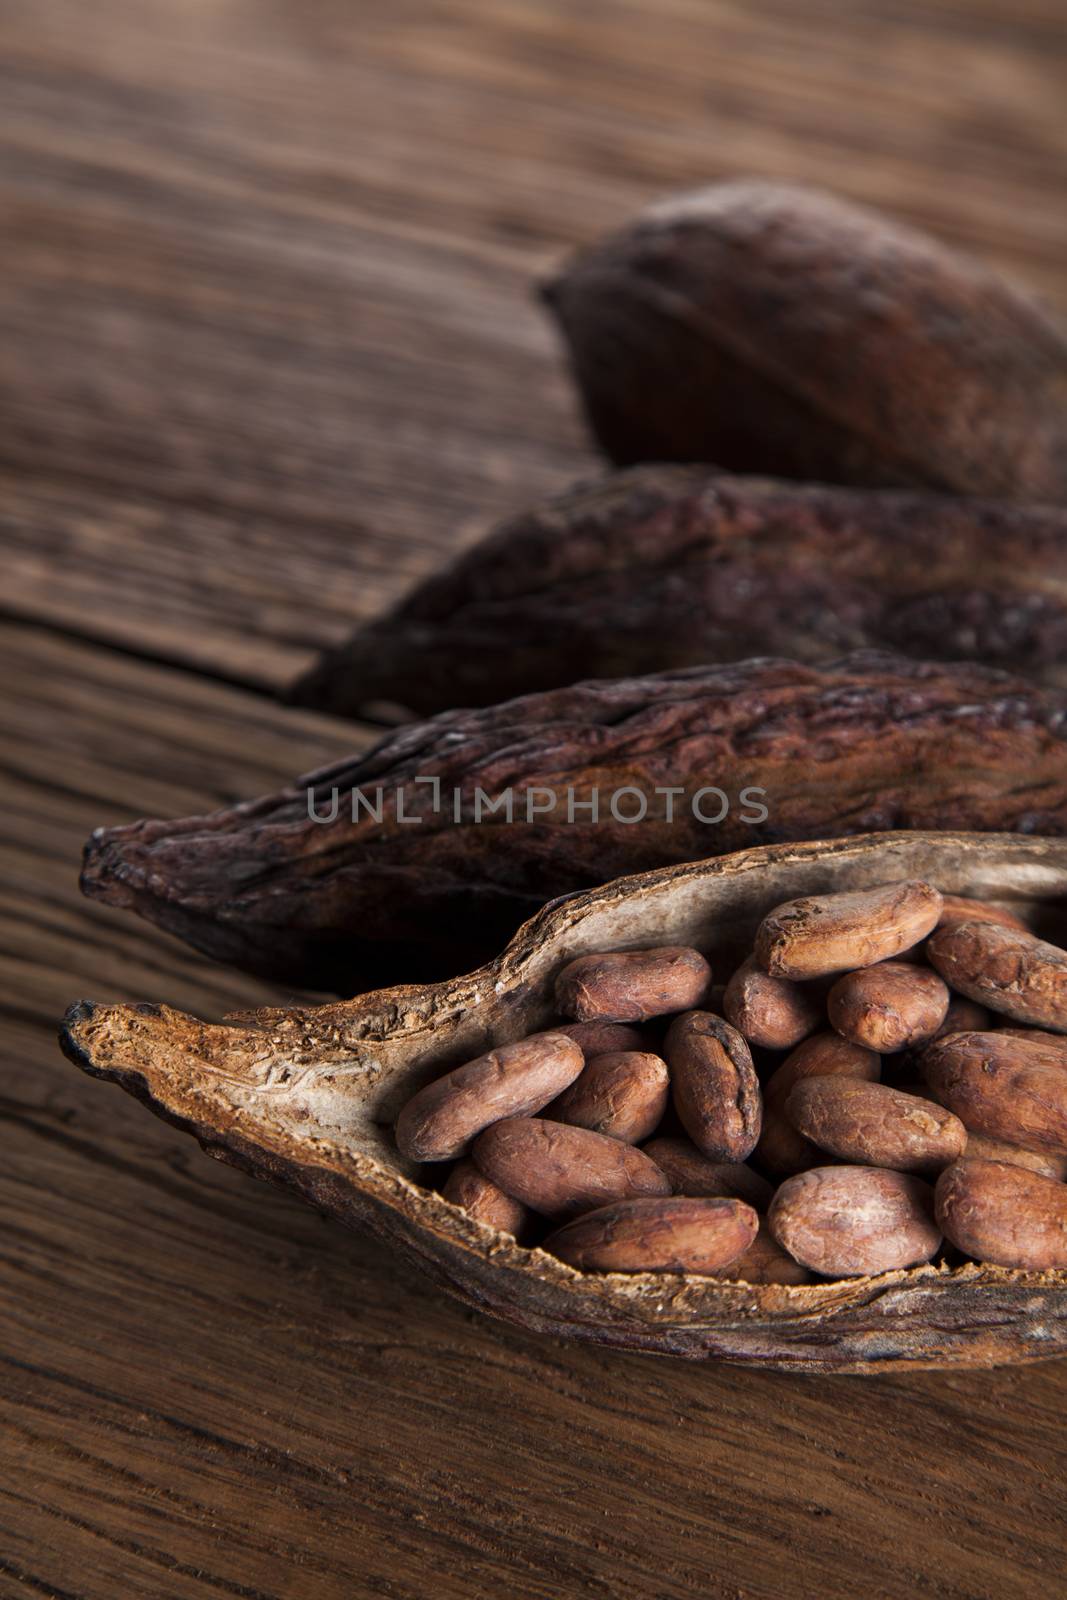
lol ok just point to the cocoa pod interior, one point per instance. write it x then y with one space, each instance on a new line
308 1096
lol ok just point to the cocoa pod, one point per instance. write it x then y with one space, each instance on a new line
439 1122
781 1148
692 1174
622 1095
888 1007
632 985
876 1126
346 902
772 1013
1013 973
998 1212
769 328
470 1189
765 1262
1011 1089
854 1222
823 934
602 1038
675 1235
957 908
561 1171
714 1086
665 567
980 1147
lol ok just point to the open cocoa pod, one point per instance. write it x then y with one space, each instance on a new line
308 1097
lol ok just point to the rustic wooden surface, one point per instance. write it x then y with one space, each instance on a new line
267 352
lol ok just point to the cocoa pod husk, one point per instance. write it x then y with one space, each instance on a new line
341 904
665 567
771 328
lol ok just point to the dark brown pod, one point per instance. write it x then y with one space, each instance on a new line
820 935
781 1148
676 1235
623 1096
1009 1088
345 903
633 985
997 1212
465 1186
1013 973
560 1171
714 1085
876 1126
772 1013
888 1007
770 328
692 1174
602 1038
439 1122
850 1222
664 567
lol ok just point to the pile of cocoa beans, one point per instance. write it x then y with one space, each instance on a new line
881 1083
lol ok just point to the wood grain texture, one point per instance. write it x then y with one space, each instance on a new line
267 352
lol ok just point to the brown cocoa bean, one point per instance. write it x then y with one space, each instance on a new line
675 1235
876 1126
888 1007
980 1147
854 1222
602 1038
772 1013
714 1086
819 935
439 1122
1013 973
963 1016
772 328
632 985
956 908
1011 1089
474 1193
999 1213
561 1171
692 1174
622 1095
765 1262
781 1148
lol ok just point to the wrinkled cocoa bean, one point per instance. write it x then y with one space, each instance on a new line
1011 1089
714 1085
819 935
854 1222
470 1189
876 1126
561 1171
765 1262
956 908
1013 973
770 1012
676 1235
980 1147
633 985
694 1175
623 1096
998 1212
781 1148
602 1038
888 1007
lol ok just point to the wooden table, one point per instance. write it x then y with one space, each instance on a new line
268 353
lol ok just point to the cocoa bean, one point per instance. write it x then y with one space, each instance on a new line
980 1147
472 1191
1011 1089
854 1222
819 935
622 1095
633 985
676 1235
694 1175
998 1212
348 903
772 1013
956 908
602 1038
876 1126
439 1122
781 1148
888 1007
714 1086
1013 973
765 1262
561 1171
769 328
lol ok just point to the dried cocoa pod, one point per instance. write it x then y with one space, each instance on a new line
665 567
819 935
957 908
980 1147
765 1262
854 1222
1011 1089
781 1148
888 1007
876 1126
770 328
714 1086
623 1096
1013 973
345 903
560 1171
772 1013
602 1038
439 1122
998 1212
633 985
676 1235
692 1174
470 1189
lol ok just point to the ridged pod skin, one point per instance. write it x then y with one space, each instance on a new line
771 328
